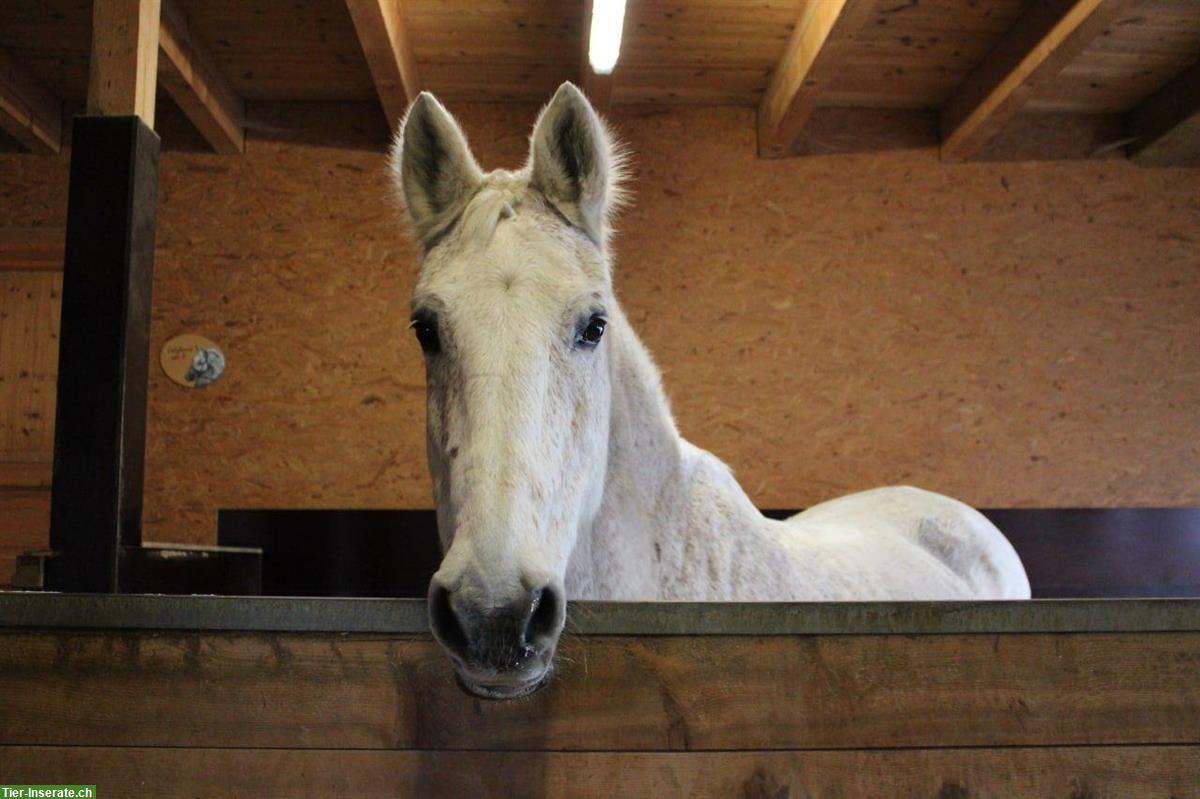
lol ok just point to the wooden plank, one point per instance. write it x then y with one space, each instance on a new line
809 61
26 473
126 688
123 70
1042 42
30 308
670 84
24 526
29 112
31 249
383 34
1046 772
197 85
1167 124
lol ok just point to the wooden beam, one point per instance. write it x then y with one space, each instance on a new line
822 31
1167 124
1037 48
197 85
29 112
31 249
383 34
123 72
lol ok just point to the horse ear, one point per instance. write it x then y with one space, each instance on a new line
574 163
432 167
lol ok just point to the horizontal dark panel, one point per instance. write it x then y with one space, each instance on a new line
1070 552
407 616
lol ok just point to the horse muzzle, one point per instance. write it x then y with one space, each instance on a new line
501 652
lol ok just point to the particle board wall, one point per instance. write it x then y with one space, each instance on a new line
1015 334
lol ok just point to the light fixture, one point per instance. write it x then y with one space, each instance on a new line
604 41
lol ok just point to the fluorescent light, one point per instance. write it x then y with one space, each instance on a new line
604 42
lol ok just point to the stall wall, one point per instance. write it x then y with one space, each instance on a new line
1015 334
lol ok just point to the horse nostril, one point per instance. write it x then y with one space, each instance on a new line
544 616
444 620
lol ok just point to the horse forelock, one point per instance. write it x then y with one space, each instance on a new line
491 204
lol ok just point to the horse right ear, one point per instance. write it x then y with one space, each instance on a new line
432 167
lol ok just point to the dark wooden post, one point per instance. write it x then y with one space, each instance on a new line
100 421
100 418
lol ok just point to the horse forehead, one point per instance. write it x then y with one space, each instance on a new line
521 265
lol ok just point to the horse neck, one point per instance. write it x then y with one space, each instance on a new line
650 488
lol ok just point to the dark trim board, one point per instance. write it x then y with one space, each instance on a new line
40 610
1068 552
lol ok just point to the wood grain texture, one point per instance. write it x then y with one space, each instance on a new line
1046 773
66 688
190 76
29 321
31 249
1040 45
383 34
809 61
1017 335
1166 126
29 112
24 525
1136 56
123 63
908 54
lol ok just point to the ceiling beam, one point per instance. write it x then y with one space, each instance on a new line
193 80
123 68
809 62
383 35
29 112
1166 126
1043 41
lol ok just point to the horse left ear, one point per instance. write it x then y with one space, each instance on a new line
574 163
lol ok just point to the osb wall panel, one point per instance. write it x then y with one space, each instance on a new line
1015 334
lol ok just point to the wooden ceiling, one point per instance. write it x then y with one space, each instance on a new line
897 54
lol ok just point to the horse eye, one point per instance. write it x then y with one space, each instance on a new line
590 336
427 335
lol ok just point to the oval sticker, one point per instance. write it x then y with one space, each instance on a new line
192 361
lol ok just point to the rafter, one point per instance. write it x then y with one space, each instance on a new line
822 30
193 80
1037 48
1166 126
383 34
29 112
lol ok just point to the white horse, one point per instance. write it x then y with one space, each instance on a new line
557 467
